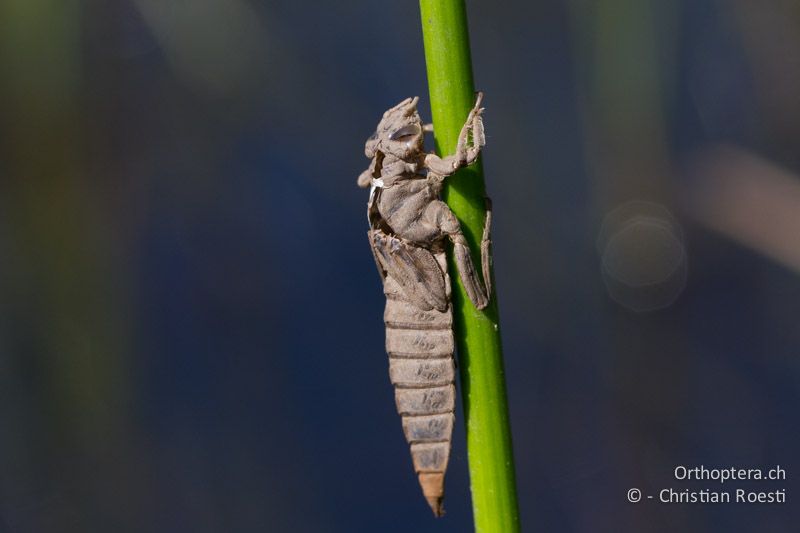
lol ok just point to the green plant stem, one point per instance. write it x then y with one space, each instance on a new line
491 462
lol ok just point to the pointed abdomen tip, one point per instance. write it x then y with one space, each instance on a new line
437 505
432 484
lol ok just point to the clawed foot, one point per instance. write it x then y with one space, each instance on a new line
469 146
475 122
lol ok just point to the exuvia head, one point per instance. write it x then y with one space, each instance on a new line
399 133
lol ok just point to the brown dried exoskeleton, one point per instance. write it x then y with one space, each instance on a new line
409 225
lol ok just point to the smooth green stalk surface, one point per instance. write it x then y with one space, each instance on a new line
483 389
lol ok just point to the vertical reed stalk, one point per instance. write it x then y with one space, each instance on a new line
452 94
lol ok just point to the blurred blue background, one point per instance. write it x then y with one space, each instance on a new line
191 330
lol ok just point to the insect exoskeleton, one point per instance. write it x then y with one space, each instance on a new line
409 226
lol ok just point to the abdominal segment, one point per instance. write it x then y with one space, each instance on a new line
422 370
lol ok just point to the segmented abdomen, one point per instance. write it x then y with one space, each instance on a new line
422 370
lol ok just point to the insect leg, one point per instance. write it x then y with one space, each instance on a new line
486 249
467 149
365 178
448 225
